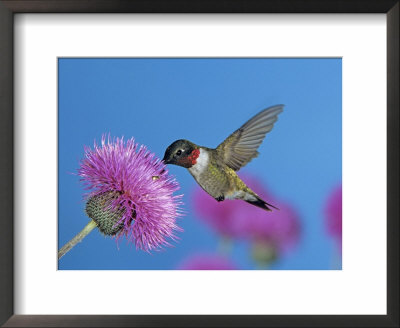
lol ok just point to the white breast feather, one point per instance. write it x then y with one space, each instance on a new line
201 163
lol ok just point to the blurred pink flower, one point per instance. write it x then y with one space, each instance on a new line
238 219
207 262
333 214
219 215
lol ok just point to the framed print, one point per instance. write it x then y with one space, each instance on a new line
111 117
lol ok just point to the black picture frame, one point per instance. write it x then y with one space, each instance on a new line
10 7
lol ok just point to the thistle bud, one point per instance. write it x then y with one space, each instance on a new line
99 209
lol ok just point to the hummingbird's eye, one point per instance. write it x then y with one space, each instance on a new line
179 152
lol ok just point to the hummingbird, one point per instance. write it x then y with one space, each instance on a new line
215 169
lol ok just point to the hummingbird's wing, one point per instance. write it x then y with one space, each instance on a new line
241 146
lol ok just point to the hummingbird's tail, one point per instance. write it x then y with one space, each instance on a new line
261 204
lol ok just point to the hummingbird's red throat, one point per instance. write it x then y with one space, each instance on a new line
193 156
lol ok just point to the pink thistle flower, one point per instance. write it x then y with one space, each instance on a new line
131 193
207 262
333 214
240 220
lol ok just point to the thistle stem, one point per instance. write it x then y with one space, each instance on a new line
78 238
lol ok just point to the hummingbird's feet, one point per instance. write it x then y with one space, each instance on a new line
220 198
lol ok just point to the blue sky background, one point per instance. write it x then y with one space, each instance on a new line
157 101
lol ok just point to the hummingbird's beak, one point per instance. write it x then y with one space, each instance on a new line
167 156
165 160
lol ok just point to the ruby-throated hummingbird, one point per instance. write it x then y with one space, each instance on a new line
215 169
